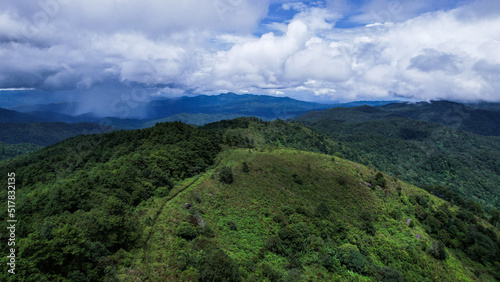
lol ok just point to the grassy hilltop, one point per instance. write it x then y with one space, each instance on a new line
291 215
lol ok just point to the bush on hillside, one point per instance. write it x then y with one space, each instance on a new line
438 250
216 265
350 256
226 175
245 168
186 231
322 210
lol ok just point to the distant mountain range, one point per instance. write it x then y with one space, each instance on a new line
197 110
16 125
450 114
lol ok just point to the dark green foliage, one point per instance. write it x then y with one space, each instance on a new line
182 259
88 218
451 196
483 247
412 224
287 210
162 191
297 179
270 273
367 223
322 210
8 151
78 197
350 256
245 168
275 133
44 134
438 250
330 262
226 175
293 274
420 213
380 180
495 217
216 265
391 275
232 226
292 240
77 276
186 231
412 134
293 261
418 152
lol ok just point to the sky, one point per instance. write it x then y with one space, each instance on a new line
333 50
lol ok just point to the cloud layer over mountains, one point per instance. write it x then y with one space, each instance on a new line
385 49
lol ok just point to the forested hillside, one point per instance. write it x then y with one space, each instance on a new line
45 134
422 153
450 114
454 115
76 200
8 151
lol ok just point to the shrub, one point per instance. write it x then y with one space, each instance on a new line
367 225
162 191
293 274
380 180
182 260
391 275
350 256
342 179
291 239
207 231
270 273
369 228
186 231
420 213
232 226
322 210
226 175
330 262
483 248
287 210
245 168
438 250
216 265
293 261
297 179
273 244
77 276
315 242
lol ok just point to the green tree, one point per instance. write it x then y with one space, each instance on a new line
226 175
216 265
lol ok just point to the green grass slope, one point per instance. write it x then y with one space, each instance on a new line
291 215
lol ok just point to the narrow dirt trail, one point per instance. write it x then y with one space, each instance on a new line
145 259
